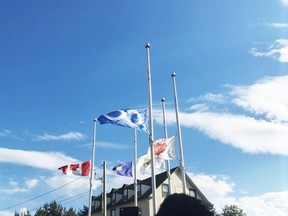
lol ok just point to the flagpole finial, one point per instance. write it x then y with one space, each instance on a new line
95 120
163 99
173 74
147 45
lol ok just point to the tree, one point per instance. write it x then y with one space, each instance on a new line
27 213
54 209
84 211
232 210
70 212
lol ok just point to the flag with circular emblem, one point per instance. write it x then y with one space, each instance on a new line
124 169
131 118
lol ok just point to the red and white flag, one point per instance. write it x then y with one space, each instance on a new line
82 169
165 148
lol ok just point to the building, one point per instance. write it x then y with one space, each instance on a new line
124 196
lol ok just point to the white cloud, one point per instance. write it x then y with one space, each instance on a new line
246 133
284 2
267 96
215 187
42 160
219 192
278 50
31 183
273 203
63 137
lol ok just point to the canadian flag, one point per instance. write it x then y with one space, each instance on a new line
82 169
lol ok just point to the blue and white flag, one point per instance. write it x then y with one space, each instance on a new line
131 118
124 169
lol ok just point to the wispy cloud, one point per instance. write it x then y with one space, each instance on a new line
253 134
110 145
62 137
41 160
5 133
278 50
277 25
14 186
219 98
9 134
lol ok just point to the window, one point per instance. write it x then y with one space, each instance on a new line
113 212
165 190
192 192
138 190
125 194
113 198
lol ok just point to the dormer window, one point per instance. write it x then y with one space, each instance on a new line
125 194
139 190
113 198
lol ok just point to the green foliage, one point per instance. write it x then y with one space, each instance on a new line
27 213
212 209
55 209
84 211
232 210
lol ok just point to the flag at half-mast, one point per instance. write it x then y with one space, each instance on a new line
132 118
124 169
165 148
81 169
144 163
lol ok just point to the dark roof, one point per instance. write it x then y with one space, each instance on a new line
160 178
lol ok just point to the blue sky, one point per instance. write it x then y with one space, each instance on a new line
64 63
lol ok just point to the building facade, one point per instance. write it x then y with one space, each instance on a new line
124 196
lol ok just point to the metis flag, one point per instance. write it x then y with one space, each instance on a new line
165 148
124 169
132 118
82 169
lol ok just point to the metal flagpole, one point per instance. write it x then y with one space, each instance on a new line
151 135
166 136
135 170
182 167
104 206
92 168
